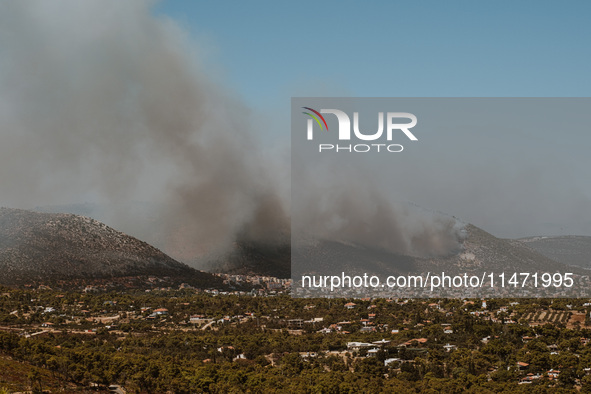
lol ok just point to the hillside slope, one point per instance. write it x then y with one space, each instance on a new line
569 249
44 246
480 252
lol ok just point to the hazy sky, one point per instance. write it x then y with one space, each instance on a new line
513 166
119 101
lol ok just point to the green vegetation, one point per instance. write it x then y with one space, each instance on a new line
185 341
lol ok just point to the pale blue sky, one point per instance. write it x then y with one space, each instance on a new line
271 50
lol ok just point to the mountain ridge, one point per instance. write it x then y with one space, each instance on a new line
568 249
38 246
480 250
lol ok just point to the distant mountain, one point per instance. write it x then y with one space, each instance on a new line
480 256
570 249
255 258
327 257
245 257
136 218
38 246
480 252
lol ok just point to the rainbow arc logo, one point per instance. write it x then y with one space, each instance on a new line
313 116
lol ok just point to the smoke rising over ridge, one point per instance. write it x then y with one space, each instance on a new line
345 204
103 101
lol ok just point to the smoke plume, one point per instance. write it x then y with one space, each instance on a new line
344 204
103 101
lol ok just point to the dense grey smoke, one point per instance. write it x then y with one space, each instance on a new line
102 101
348 206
